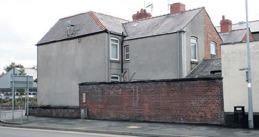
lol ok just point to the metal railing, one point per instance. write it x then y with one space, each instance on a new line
16 117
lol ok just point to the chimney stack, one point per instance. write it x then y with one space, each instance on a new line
177 8
142 14
225 25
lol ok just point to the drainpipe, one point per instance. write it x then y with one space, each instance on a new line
108 59
180 59
122 53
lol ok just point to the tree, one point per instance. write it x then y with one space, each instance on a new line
9 67
22 71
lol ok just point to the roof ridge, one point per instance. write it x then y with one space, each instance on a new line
233 30
162 15
101 26
73 15
243 22
110 16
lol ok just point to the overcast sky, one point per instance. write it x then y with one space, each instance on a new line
24 22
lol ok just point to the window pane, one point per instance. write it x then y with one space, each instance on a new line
115 78
213 48
127 56
126 52
114 53
193 51
127 49
194 48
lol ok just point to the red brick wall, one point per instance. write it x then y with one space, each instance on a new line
211 35
251 38
182 101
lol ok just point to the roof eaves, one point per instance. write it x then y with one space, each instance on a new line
69 38
141 37
98 22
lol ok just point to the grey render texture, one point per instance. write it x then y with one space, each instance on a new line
234 58
77 49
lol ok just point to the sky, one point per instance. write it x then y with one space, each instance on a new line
24 22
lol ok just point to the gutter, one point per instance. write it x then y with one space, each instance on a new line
70 38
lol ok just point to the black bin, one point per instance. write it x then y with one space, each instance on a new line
239 116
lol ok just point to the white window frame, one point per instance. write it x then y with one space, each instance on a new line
115 80
194 41
126 53
213 52
118 46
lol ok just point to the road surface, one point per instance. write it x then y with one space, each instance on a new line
25 132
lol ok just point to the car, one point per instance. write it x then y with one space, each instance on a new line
2 96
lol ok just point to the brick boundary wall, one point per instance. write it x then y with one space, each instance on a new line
55 111
198 100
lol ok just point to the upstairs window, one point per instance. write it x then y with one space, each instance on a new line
194 45
213 50
126 52
115 78
114 49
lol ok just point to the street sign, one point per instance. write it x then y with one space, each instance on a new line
21 81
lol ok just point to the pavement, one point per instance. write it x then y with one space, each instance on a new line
129 128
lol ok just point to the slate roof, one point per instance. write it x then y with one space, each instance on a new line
234 36
168 23
207 68
253 25
83 24
93 22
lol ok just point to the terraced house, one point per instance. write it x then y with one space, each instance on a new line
94 47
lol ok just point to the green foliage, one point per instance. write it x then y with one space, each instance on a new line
19 101
21 91
9 67
22 71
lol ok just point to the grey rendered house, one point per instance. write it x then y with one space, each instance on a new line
94 47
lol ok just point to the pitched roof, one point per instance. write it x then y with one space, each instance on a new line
207 68
253 25
234 36
168 23
82 24
93 22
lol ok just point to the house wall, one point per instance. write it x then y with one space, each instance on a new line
153 58
211 35
256 36
62 65
234 57
178 100
114 65
194 29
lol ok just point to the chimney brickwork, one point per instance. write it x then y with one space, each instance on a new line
177 8
142 14
225 25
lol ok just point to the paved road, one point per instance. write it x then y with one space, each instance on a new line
25 132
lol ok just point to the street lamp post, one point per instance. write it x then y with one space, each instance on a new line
249 79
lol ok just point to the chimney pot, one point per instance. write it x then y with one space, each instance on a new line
177 8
